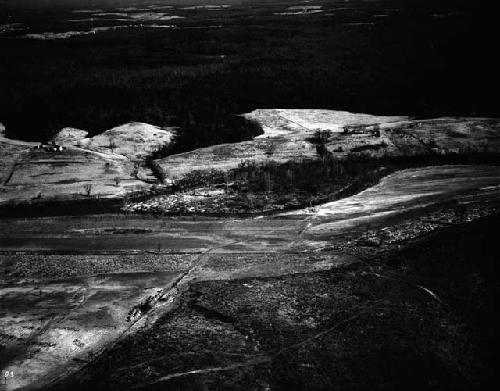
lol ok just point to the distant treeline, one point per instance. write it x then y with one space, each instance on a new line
201 79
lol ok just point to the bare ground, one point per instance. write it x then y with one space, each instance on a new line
418 317
304 278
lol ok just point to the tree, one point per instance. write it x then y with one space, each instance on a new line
320 139
112 144
269 148
135 170
267 177
87 189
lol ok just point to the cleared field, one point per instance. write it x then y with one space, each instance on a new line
53 327
246 241
404 193
292 135
34 251
423 313
113 164
110 165
396 196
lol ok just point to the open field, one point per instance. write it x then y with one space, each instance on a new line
290 135
392 199
110 165
155 263
66 321
120 162
249 195
419 318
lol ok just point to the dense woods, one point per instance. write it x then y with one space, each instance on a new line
199 79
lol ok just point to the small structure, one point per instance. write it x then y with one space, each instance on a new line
415 125
373 130
51 146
